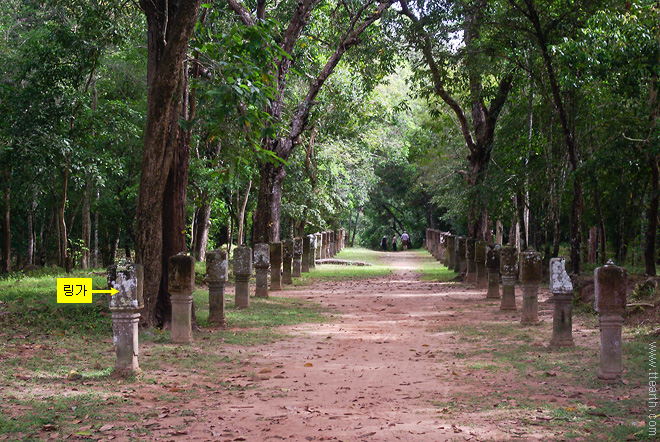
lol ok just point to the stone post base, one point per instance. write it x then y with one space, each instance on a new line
482 277
242 299
530 306
181 318
493 285
296 271
471 270
562 321
217 303
508 293
261 290
611 366
125 331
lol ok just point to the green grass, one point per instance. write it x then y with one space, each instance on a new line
337 272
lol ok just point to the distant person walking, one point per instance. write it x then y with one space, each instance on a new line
394 243
383 243
405 238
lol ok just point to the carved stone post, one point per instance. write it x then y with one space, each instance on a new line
312 251
442 246
216 277
319 244
287 249
324 245
471 275
480 261
509 271
610 304
242 273
306 246
461 263
531 273
181 284
296 270
493 266
261 266
562 297
451 252
128 279
276 266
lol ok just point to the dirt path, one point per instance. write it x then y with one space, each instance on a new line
381 371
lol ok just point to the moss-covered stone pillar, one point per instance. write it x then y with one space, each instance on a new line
480 263
276 266
451 252
509 271
127 278
493 268
610 303
216 277
181 284
261 267
306 247
531 273
242 273
287 257
561 288
471 266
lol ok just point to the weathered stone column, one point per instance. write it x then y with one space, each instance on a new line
562 297
451 251
509 271
531 273
332 244
427 241
128 279
471 275
442 246
319 244
261 267
461 262
306 246
312 251
480 262
216 277
493 268
242 273
181 285
276 266
324 245
610 304
287 252
296 270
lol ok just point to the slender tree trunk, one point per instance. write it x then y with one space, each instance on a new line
96 234
201 229
30 228
86 228
240 240
357 218
5 264
652 215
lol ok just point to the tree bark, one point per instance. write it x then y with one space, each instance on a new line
652 215
201 229
86 228
240 240
169 27
5 264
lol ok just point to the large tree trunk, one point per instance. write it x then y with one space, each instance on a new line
30 228
267 216
169 26
652 215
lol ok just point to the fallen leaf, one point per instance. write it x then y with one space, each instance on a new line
266 370
106 427
309 364
175 390
49 427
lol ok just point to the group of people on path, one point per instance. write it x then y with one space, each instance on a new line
405 242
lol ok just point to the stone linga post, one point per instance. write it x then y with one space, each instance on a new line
216 277
242 273
610 303
509 270
127 278
493 267
276 266
261 266
181 284
562 297
531 273
287 257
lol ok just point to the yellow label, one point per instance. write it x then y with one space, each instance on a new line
74 290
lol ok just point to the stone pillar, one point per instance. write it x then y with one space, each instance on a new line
312 251
128 279
451 251
319 245
276 266
442 246
531 273
610 303
332 244
471 275
461 263
480 261
427 241
287 256
306 246
509 271
296 269
324 245
562 297
216 277
261 267
181 284
242 273
493 268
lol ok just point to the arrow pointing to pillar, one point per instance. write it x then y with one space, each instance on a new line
112 291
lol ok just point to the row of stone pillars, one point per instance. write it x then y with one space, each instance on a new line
487 263
293 256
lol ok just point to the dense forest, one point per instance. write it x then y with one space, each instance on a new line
154 127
